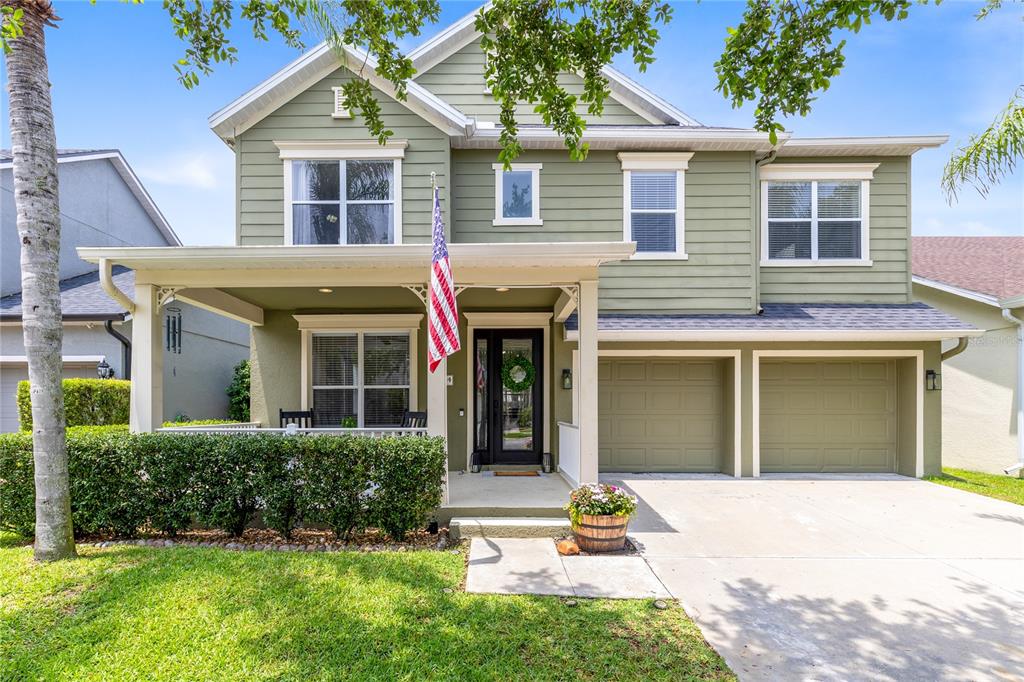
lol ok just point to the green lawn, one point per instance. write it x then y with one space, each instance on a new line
207 614
998 486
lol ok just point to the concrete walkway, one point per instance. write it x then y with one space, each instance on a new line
824 578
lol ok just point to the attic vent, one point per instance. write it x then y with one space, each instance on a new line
339 104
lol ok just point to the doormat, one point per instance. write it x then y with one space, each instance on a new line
517 473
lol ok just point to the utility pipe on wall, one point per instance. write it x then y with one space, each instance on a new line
126 355
1018 468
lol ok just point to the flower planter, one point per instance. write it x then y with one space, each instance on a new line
601 533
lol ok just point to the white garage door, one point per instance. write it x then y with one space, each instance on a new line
660 414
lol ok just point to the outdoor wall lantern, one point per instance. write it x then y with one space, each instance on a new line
567 379
932 380
104 371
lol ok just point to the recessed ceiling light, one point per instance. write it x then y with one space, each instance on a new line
501 290
325 290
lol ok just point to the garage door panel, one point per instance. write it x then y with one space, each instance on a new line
828 415
661 414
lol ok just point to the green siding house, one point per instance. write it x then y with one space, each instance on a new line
689 298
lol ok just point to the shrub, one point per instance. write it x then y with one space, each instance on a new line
87 402
17 487
238 393
335 475
226 477
408 475
168 462
278 484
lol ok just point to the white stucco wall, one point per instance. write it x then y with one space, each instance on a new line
979 401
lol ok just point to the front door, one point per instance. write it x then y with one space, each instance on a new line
508 393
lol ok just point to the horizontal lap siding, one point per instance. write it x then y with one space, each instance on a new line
459 80
718 276
887 280
308 117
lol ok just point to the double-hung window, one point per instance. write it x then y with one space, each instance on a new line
815 214
334 200
358 378
653 203
517 194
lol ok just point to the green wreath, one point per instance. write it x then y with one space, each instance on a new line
517 373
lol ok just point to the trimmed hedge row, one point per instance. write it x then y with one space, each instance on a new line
87 402
121 482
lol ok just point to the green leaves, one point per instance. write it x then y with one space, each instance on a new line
988 157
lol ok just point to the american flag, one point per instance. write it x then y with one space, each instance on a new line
443 317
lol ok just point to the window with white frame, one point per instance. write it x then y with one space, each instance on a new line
653 203
815 214
360 379
517 194
343 202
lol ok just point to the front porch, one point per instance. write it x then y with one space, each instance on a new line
491 495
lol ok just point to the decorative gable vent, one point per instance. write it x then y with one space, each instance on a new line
339 104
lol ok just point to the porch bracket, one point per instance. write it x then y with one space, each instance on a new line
164 295
567 302
422 292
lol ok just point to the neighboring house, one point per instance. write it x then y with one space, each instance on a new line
979 280
102 203
690 298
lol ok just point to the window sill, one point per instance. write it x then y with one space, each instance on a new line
827 263
660 255
517 222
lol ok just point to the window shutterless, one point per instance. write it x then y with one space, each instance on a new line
360 378
350 201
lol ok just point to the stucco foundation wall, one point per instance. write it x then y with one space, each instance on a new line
979 400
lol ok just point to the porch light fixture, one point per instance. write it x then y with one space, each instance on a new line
325 290
567 379
502 290
104 370
932 380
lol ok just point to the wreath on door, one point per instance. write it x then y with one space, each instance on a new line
517 373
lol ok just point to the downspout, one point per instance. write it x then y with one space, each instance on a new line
756 232
1018 468
960 347
107 282
125 343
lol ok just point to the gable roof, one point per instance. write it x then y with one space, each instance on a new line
992 267
625 90
81 298
315 65
135 185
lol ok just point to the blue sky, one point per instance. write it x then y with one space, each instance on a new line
938 72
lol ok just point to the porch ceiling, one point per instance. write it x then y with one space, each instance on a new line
393 299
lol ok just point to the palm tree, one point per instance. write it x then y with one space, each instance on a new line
34 144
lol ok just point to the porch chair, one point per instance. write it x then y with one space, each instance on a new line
301 418
414 420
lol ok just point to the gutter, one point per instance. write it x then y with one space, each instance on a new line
960 347
126 345
1018 468
107 282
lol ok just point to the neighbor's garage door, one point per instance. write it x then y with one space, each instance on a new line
828 416
660 414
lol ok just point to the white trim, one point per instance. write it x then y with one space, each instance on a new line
499 170
341 152
957 291
633 161
66 360
818 171
918 355
498 320
737 407
790 335
321 323
615 137
339 104
860 146
814 261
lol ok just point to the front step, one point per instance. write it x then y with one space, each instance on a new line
510 527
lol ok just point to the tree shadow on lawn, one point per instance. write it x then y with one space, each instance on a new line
869 638
210 614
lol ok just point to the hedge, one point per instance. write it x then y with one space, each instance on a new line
87 402
122 483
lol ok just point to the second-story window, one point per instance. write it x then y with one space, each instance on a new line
654 187
343 202
517 194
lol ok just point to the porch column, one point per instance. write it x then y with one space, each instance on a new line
147 405
587 380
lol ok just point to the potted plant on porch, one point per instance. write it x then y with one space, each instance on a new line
600 514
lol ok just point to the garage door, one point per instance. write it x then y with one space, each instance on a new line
660 414
828 416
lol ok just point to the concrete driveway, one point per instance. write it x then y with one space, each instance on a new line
878 577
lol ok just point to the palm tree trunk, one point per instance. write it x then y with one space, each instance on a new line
34 146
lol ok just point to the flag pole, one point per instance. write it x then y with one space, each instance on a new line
433 183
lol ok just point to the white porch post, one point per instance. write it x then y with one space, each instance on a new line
587 380
147 406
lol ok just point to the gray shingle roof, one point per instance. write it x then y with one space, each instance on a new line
793 317
81 298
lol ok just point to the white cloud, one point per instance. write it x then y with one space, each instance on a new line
195 170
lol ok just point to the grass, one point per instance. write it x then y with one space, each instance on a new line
990 485
207 614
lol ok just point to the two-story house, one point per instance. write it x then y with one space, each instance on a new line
689 298
104 204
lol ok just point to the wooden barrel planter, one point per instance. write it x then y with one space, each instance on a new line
601 533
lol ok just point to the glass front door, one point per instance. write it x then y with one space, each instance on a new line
508 394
